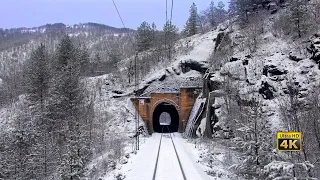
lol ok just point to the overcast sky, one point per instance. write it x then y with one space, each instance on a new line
31 13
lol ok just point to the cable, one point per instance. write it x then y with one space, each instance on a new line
166 10
168 33
126 29
166 29
171 11
135 73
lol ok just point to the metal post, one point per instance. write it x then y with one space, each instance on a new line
136 112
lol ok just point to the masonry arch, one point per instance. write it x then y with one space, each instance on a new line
167 110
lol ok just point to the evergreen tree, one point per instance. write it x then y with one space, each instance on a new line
211 14
144 36
37 84
37 76
170 31
241 8
220 12
192 23
154 34
66 112
299 16
254 141
84 59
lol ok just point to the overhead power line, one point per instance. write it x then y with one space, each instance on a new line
124 26
135 76
171 11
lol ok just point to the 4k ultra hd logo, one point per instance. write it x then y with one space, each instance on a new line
289 141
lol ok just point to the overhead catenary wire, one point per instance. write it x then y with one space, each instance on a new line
168 24
166 28
171 11
136 55
135 73
124 26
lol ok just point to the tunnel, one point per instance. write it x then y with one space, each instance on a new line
165 118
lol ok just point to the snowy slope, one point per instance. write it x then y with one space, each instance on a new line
273 53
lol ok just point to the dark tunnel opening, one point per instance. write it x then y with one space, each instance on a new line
173 126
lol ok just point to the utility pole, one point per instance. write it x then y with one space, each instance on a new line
136 96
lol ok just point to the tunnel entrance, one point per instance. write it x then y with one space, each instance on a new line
166 117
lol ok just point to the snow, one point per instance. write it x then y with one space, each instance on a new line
168 164
279 168
271 51
141 166
172 84
119 113
203 45
187 157
198 48
201 128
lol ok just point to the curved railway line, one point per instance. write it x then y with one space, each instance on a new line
176 155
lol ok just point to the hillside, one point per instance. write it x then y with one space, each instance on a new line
259 75
104 41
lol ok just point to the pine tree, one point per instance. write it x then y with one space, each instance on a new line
299 16
170 31
254 141
37 84
37 76
210 15
192 23
24 138
66 112
221 13
84 59
241 8
144 36
154 34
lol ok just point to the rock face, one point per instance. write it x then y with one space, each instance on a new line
314 49
267 90
188 65
272 70
245 62
232 59
295 57
234 70
272 6
218 40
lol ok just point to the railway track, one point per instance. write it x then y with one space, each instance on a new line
161 157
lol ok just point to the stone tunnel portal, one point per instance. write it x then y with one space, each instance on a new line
165 118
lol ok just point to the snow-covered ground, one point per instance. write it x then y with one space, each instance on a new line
142 165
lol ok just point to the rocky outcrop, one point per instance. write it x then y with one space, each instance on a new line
188 65
234 70
245 62
163 77
272 70
219 40
314 48
232 59
295 57
117 92
266 90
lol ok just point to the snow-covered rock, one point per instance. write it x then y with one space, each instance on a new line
234 70
294 56
202 127
314 48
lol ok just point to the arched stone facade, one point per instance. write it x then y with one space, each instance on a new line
182 100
